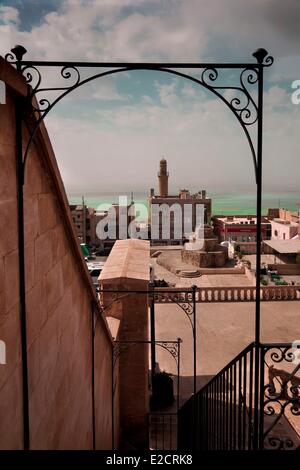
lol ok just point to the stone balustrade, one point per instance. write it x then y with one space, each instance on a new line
228 294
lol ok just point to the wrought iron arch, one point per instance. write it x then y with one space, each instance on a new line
248 113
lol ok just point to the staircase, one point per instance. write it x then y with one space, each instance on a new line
163 431
252 403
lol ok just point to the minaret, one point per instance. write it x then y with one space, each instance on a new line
163 177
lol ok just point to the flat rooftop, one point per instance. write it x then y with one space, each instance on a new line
284 246
236 219
190 197
286 222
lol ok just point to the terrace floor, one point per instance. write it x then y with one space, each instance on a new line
211 280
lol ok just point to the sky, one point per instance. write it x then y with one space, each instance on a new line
109 135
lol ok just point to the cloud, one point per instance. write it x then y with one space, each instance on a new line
167 92
277 97
188 90
197 134
9 15
200 138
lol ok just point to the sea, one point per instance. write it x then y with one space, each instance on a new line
222 203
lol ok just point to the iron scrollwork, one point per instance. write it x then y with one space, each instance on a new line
281 398
182 299
242 105
238 99
173 347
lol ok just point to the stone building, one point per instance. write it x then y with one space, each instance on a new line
84 219
204 251
118 217
284 229
182 212
284 214
240 228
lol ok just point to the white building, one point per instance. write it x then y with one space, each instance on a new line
284 229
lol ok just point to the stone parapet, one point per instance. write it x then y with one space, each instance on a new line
128 269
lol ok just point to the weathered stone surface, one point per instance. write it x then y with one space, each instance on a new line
36 310
7 122
49 344
8 170
47 212
34 369
9 234
9 328
68 268
59 297
29 266
11 279
35 177
127 268
59 243
54 285
11 437
205 252
31 218
43 259
204 259
1 274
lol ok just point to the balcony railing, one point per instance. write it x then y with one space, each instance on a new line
253 403
163 431
230 294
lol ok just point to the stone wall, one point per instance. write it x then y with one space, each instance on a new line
288 215
205 259
127 269
59 304
286 269
249 248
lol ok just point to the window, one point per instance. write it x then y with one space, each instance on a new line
276 233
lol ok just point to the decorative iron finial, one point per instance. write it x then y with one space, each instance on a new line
262 56
19 51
